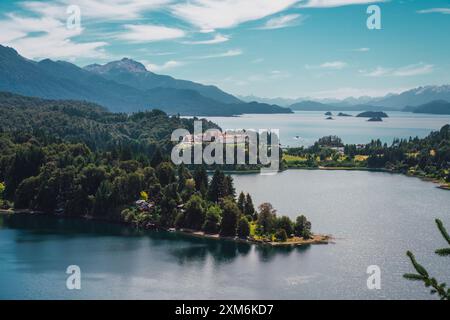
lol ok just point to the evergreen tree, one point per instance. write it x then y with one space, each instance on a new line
102 202
230 216
241 202
243 229
195 213
302 227
212 219
229 190
249 209
286 224
217 189
157 158
201 179
165 173
423 275
266 218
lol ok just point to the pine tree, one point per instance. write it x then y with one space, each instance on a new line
241 202
249 208
243 229
217 188
230 218
201 179
423 275
229 190
157 158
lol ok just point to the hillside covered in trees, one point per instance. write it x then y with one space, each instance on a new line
76 159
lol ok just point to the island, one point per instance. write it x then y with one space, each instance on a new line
372 114
329 113
341 114
329 118
375 119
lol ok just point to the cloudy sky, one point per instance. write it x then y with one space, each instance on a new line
268 48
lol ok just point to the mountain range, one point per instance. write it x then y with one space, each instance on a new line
390 102
121 86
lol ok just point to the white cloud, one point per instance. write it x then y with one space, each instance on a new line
361 50
46 37
209 15
284 21
229 53
149 33
218 38
258 60
97 9
377 72
406 71
435 10
332 65
334 3
165 66
414 70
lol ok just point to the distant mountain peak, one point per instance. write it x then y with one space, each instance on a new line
124 65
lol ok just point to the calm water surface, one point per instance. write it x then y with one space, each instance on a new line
309 126
375 217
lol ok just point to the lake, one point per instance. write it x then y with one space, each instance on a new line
375 217
309 126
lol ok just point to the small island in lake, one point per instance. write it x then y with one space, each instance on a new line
375 119
329 118
341 114
329 113
372 114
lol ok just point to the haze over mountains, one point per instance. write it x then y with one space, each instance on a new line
410 98
125 86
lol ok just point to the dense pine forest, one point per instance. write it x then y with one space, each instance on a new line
76 159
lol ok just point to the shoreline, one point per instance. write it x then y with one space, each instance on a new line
293 242
440 184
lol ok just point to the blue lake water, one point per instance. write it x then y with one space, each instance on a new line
375 218
309 126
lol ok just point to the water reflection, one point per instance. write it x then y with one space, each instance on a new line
185 249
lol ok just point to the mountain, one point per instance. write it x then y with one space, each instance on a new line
133 91
433 107
318 106
414 97
284 102
134 74
309 105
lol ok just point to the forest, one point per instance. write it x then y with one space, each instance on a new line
76 159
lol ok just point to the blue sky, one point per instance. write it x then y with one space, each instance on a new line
268 48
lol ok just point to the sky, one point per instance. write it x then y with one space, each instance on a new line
266 48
